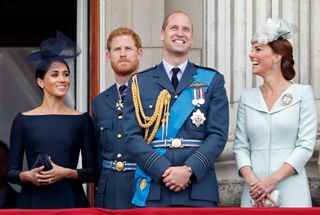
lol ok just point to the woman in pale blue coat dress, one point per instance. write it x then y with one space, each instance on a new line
276 124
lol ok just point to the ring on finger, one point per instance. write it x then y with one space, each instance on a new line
259 193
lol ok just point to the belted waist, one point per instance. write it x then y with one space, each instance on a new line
175 143
119 166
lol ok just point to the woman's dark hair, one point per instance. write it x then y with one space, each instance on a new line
42 69
284 48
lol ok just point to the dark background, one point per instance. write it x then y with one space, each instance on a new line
26 23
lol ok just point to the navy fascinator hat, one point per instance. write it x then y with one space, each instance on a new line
60 48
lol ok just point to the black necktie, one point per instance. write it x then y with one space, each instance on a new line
122 91
174 79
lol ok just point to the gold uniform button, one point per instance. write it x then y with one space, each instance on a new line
119 136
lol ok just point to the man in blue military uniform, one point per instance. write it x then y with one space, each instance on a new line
116 184
176 123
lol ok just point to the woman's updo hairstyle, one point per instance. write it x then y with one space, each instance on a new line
284 48
61 48
275 33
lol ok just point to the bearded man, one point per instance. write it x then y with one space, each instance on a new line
115 186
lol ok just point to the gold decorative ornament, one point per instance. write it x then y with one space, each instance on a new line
160 114
143 184
198 84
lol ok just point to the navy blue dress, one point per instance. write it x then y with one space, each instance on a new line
61 137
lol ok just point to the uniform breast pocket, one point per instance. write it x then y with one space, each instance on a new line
149 106
105 131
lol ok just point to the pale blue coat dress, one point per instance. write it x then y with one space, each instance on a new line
265 140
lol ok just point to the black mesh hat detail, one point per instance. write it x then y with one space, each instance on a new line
60 48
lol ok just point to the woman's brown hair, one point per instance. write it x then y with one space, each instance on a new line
284 48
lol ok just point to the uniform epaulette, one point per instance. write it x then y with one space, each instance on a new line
143 71
150 68
207 68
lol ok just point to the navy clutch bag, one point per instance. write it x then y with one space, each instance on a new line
43 160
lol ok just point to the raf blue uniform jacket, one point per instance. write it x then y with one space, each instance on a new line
115 189
214 133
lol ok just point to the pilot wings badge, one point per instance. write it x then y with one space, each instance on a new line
197 85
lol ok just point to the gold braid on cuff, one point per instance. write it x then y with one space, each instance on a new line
161 112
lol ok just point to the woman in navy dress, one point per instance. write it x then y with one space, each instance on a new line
56 130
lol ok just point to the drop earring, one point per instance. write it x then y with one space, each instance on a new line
274 65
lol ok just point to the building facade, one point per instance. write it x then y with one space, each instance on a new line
222 35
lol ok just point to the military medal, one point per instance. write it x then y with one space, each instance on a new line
198 118
198 97
201 96
286 99
121 94
195 97
194 101
119 105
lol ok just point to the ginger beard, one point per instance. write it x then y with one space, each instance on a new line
125 67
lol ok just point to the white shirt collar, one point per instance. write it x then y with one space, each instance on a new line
168 68
118 85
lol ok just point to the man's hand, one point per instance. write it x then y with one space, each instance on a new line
177 178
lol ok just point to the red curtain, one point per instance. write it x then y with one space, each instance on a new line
169 211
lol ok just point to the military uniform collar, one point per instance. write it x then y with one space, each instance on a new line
111 96
168 67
